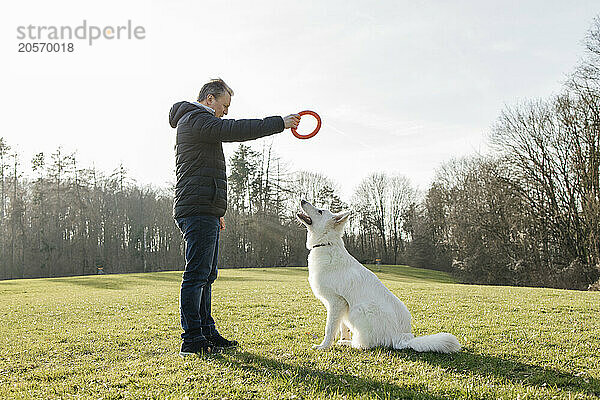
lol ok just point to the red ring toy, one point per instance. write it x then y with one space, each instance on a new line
313 133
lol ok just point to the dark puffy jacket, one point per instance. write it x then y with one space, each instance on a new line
201 175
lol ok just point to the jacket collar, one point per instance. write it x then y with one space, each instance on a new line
210 110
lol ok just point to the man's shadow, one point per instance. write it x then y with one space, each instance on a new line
329 383
323 381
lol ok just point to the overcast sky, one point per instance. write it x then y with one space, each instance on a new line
401 86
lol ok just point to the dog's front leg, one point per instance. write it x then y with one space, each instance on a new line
336 307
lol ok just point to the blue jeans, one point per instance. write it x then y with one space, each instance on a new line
201 235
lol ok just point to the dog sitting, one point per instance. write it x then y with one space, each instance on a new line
358 305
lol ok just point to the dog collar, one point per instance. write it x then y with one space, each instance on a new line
322 244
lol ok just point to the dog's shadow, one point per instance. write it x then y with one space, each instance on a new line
465 362
514 371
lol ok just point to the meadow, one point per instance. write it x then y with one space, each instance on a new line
117 337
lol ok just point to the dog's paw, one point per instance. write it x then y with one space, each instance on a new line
320 346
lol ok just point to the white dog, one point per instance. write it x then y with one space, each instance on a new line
357 303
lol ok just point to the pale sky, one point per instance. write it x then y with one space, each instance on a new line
401 86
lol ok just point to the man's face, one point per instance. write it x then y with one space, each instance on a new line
220 104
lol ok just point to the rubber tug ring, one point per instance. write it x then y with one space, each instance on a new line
313 133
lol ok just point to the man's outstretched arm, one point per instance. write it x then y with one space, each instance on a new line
216 129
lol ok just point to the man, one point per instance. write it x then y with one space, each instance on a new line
201 200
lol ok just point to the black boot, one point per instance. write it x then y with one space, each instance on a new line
200 347
219 341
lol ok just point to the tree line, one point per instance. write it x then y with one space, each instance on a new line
58 218
62 219
527 213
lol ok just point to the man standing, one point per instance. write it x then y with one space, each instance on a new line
201 200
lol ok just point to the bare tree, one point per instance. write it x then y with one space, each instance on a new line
370 202
4 149
401 196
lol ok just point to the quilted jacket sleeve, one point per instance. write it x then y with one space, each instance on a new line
212 129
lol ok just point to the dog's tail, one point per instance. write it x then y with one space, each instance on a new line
440 342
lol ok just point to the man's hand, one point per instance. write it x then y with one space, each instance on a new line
222 223
291 121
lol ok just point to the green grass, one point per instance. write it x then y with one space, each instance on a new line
117 337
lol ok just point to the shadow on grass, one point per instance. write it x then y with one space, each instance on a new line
116 282
176 278
307 379
510 370
410 273
289 271
161 277
329 383
243 279
122 282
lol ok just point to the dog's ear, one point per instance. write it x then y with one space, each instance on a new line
341 218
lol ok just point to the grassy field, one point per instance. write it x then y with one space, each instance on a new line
117 337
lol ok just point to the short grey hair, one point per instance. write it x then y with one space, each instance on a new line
216 87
